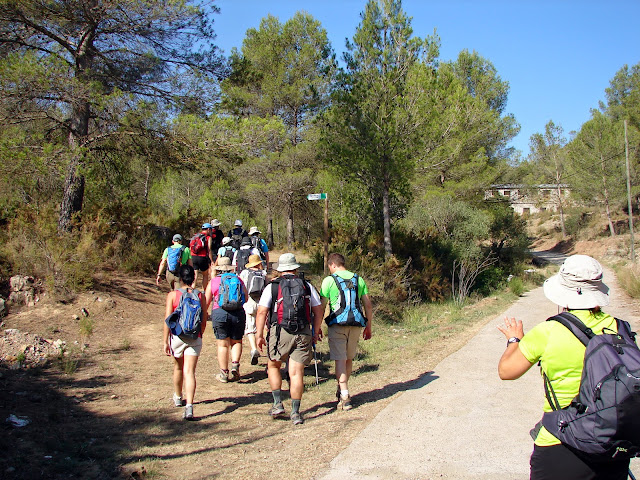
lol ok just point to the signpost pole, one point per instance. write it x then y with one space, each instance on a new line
326 234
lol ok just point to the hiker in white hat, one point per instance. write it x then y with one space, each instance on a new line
578 290
289 306
261 245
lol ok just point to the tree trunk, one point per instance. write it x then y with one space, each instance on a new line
605 192
290 233
386 216
73 194
270 241
72 197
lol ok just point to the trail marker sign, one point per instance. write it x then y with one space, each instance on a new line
317 196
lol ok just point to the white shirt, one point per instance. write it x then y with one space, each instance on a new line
266 299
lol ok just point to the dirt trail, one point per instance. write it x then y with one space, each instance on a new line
462 422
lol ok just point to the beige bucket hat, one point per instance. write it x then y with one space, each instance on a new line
578 285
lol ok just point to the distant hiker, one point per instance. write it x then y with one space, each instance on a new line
289 307
261 245
241 256
227 294
216 237
601 433
347 294
173 258
201 254
185 346
236 234
255 279
225 250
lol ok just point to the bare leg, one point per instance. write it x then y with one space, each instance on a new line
236 350
343 372
178 365
190 362
273 371
223 354
251 337
296 379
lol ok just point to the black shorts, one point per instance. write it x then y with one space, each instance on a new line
559 462
200 263
228 324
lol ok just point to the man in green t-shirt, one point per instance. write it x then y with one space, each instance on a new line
346 294
184 259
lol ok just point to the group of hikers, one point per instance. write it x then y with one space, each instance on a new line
279 310
589 360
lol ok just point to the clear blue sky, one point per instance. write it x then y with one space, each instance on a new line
558 56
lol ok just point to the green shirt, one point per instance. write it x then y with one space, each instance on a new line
561 356
186 255
330 290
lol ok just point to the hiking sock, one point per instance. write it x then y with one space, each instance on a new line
277 396
295 406
344 393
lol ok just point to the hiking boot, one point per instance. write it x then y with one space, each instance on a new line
234 373
276 410
177 401
296 418
345 403
188 412
255 354
222 377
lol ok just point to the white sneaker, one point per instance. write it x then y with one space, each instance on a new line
255 354
177 400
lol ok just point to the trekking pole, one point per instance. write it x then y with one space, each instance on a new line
315 359
631 475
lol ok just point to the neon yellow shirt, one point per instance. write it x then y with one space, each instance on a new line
330 290
561 356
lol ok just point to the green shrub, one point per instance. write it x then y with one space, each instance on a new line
629 279
516 286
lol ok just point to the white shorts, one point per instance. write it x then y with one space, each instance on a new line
181 347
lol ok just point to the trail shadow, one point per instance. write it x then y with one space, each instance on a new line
393 388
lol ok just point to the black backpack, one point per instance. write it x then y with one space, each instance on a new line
242 258
604 418
292 296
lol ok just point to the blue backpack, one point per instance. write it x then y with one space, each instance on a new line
186 320
174 259
350 311
604 418
230 293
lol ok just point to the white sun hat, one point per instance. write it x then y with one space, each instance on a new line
578 285
287 263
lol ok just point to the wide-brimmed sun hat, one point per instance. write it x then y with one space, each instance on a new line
254 261
224 264
253 230
578 285
287 263
226 240
215 222
237 223
177 237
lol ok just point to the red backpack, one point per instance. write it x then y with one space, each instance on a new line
199 245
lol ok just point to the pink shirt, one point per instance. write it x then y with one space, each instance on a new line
215 287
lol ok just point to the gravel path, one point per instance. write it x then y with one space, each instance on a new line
462 422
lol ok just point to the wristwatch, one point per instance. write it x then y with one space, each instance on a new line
512 340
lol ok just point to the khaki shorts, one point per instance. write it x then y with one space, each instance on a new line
181 347
343 342
173 280
297 346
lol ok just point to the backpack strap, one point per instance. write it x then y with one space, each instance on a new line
575 326
275 283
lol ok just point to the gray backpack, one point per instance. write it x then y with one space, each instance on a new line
604 418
